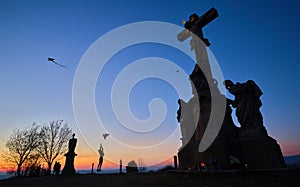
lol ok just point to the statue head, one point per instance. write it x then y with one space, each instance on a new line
193 18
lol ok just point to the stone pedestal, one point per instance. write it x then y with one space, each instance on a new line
252 146
258 150
69 165
130 169
220 149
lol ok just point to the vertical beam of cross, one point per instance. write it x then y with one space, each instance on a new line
193 29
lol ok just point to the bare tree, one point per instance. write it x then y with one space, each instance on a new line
22 145
54 142
141 165
32 166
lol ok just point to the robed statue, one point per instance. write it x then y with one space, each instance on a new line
247 102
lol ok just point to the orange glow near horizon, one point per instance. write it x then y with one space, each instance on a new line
84 161
289 148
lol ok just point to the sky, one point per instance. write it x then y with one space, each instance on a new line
251 39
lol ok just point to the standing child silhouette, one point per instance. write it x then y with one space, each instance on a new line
101 153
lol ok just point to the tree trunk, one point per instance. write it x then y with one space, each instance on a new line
49 168
19 170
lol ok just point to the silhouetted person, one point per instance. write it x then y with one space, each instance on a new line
56 168
38 170
101 153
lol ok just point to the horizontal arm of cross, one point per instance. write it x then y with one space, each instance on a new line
206 18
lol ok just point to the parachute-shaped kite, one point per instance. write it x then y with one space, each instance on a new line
105 136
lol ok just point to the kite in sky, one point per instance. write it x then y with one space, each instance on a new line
53 60
105 136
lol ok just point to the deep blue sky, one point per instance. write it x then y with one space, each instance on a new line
251 39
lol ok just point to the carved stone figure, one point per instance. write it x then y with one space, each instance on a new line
72 144
70 155
199 80
186 118
247 102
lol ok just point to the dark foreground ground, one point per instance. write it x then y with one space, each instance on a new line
284 178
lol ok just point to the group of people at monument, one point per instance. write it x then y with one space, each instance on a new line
56 168
213 164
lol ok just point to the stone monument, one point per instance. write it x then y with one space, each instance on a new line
255 148
132 167
250 143
70 155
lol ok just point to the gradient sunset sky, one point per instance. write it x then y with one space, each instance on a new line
251 39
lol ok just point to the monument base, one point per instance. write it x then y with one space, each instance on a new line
69 165
130 169
252 146
258 150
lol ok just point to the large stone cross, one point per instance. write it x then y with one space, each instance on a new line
196 23
199 43
203 80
